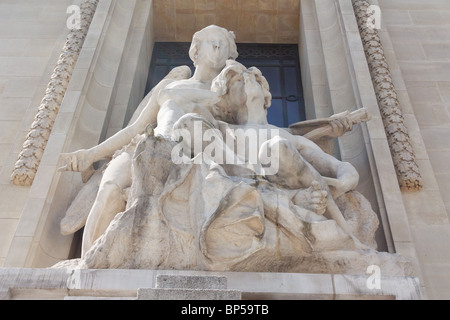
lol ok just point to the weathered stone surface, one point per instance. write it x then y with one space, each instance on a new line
188 294
41 284
157 231
190 282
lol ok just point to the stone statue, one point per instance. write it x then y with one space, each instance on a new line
245 99
187 207
105 194
210 49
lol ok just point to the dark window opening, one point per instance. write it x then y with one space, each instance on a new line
279 63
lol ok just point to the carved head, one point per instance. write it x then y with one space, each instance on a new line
213 45
234 74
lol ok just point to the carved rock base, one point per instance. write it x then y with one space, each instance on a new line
197 217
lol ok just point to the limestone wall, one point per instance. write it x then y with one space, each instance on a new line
260 21
32 34
116 54
416 37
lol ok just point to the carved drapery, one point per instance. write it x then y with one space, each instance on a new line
397 134
33 148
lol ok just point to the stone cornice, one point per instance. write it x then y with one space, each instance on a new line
404 159
33 148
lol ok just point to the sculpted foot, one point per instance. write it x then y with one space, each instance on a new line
314 198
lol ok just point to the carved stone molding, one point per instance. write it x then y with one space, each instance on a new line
33 148
406 167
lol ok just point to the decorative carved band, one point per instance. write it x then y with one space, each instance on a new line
33 148
397 134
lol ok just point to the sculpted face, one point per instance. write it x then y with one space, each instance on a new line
236 88
254 90
246 92
212 46
213 51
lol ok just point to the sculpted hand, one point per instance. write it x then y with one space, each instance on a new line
314 198
76 161
340 126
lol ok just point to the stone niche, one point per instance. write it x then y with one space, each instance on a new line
187 240
273 202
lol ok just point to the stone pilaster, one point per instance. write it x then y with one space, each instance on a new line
406 167
33 148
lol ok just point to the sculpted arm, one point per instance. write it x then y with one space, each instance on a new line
82 159
340 176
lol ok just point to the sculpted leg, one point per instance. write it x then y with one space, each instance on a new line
110 199
296 173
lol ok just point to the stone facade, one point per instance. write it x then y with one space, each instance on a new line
32 36
33 148
415 36
110 78
126 285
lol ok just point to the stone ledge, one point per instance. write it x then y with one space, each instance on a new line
188 294
58 284
190 282
97 298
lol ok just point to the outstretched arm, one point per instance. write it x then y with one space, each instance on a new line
82 159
